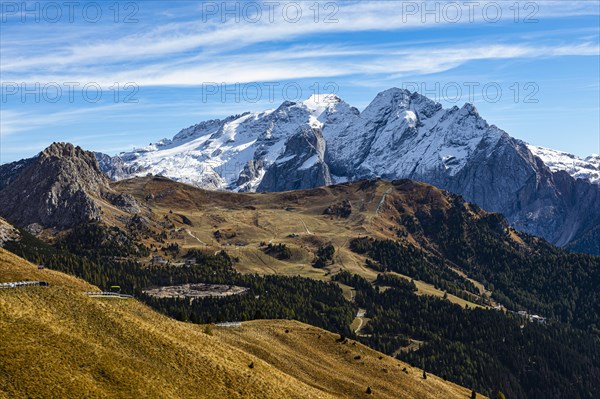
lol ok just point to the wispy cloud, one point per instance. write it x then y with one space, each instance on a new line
373 44
12 121
303 62
184 41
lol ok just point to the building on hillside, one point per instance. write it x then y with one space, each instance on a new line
532 317
157 259
537 319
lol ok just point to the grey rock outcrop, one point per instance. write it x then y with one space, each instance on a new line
8 233
60 189
250 174
113 167
301 166
511 181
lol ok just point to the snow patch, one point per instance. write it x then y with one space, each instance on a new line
588 168
309 163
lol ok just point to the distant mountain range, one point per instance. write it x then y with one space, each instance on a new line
324 140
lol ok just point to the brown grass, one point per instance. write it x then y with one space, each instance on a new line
317 358
58 343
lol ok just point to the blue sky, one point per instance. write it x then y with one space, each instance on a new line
531 68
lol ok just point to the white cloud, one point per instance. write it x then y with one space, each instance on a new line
182 50
208 38
318 62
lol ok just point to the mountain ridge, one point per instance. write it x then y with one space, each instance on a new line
324 140
580 168
398 135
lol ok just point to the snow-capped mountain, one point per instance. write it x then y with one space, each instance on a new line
237 152
588 168
397 135
400 134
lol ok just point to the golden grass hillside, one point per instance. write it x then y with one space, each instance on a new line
344 369
296 219
58 343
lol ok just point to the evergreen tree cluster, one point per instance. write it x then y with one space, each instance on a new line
484 349
324 256
279 251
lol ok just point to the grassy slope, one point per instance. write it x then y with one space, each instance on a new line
59 343
263 217
428 289
259 218
314 356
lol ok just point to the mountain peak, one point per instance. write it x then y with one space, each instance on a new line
67 151
395 91
59 189
60 149
392 96
471 109
403 99
398 94
317 104
323 99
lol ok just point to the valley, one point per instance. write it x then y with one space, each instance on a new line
403 267
82 346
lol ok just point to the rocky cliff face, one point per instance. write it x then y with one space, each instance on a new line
62 187
8 233
551 205
301 166
113 167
